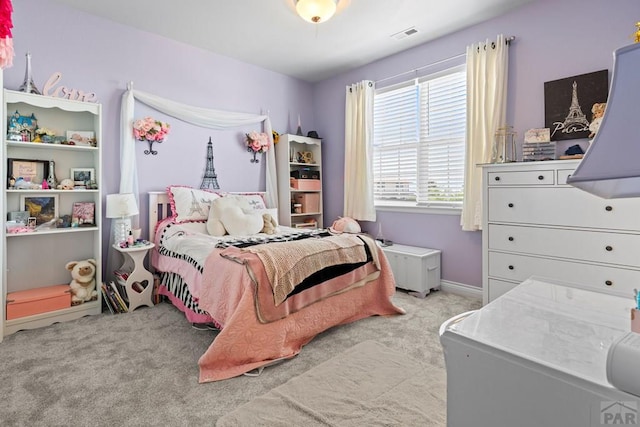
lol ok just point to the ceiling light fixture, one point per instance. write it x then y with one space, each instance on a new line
316 11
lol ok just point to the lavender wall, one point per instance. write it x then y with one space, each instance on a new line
100 56
554 39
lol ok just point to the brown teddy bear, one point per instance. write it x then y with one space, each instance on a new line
83 283
270 224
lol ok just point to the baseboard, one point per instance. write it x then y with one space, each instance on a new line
461 289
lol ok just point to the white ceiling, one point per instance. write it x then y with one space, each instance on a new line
270 34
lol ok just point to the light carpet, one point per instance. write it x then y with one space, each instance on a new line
369 384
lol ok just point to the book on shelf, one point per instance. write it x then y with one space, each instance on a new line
114 306
83 214
122 305
106 299
121 275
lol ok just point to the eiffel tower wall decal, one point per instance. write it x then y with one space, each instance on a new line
568 103
210 179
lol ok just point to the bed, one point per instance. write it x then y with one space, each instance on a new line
329 280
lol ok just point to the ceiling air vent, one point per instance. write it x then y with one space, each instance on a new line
404 33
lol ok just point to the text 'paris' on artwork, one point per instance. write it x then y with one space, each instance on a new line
568 104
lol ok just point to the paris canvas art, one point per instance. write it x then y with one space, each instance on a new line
568 103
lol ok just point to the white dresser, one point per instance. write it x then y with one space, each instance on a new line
536 224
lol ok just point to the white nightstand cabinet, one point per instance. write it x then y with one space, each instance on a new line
415 269
139 283
536 224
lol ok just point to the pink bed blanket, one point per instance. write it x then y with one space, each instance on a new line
245 343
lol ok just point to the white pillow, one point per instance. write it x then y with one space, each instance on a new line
239 223
250 200
215 227
190 204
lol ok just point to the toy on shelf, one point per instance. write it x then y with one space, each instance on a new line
83 283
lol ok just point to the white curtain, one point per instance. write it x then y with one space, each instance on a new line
487 75
208 118
358 158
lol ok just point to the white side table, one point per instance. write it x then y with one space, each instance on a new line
134 264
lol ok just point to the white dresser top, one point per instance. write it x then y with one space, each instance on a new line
554 324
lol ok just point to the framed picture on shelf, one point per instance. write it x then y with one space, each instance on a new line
43 207
83 214
82 176
30 170
80 137
18 216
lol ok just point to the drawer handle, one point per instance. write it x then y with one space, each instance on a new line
511 238
608 248
497 178
608 283
511 267
608 208
510 205
540 177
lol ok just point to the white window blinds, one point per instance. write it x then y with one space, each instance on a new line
419 141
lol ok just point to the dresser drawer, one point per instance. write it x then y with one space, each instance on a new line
562 206
563 174
499 287
518 268
542 177
604 247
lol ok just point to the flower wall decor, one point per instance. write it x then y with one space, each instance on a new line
150 130
257 143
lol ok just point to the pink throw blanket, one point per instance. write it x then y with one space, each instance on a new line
244 343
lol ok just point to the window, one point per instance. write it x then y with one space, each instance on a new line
419 141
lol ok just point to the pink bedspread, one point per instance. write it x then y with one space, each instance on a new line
245 343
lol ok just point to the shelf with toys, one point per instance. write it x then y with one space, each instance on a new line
51 160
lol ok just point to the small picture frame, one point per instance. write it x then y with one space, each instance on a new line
31 171
83 214
82 176
42 206
18 216
81 137
538 135
32 221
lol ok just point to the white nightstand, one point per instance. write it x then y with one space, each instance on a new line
138 277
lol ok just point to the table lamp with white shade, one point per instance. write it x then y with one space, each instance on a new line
121 207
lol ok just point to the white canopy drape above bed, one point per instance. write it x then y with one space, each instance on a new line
204 117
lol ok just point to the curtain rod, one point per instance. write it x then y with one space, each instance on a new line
451 58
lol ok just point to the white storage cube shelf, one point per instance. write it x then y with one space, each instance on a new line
414 269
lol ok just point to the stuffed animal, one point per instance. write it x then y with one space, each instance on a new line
270 224
598 112
66 184
345 225
83 283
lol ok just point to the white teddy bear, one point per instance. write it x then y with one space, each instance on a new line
66 184
83 285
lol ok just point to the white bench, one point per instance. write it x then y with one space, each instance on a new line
415 269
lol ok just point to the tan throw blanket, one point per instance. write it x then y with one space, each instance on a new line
289 263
